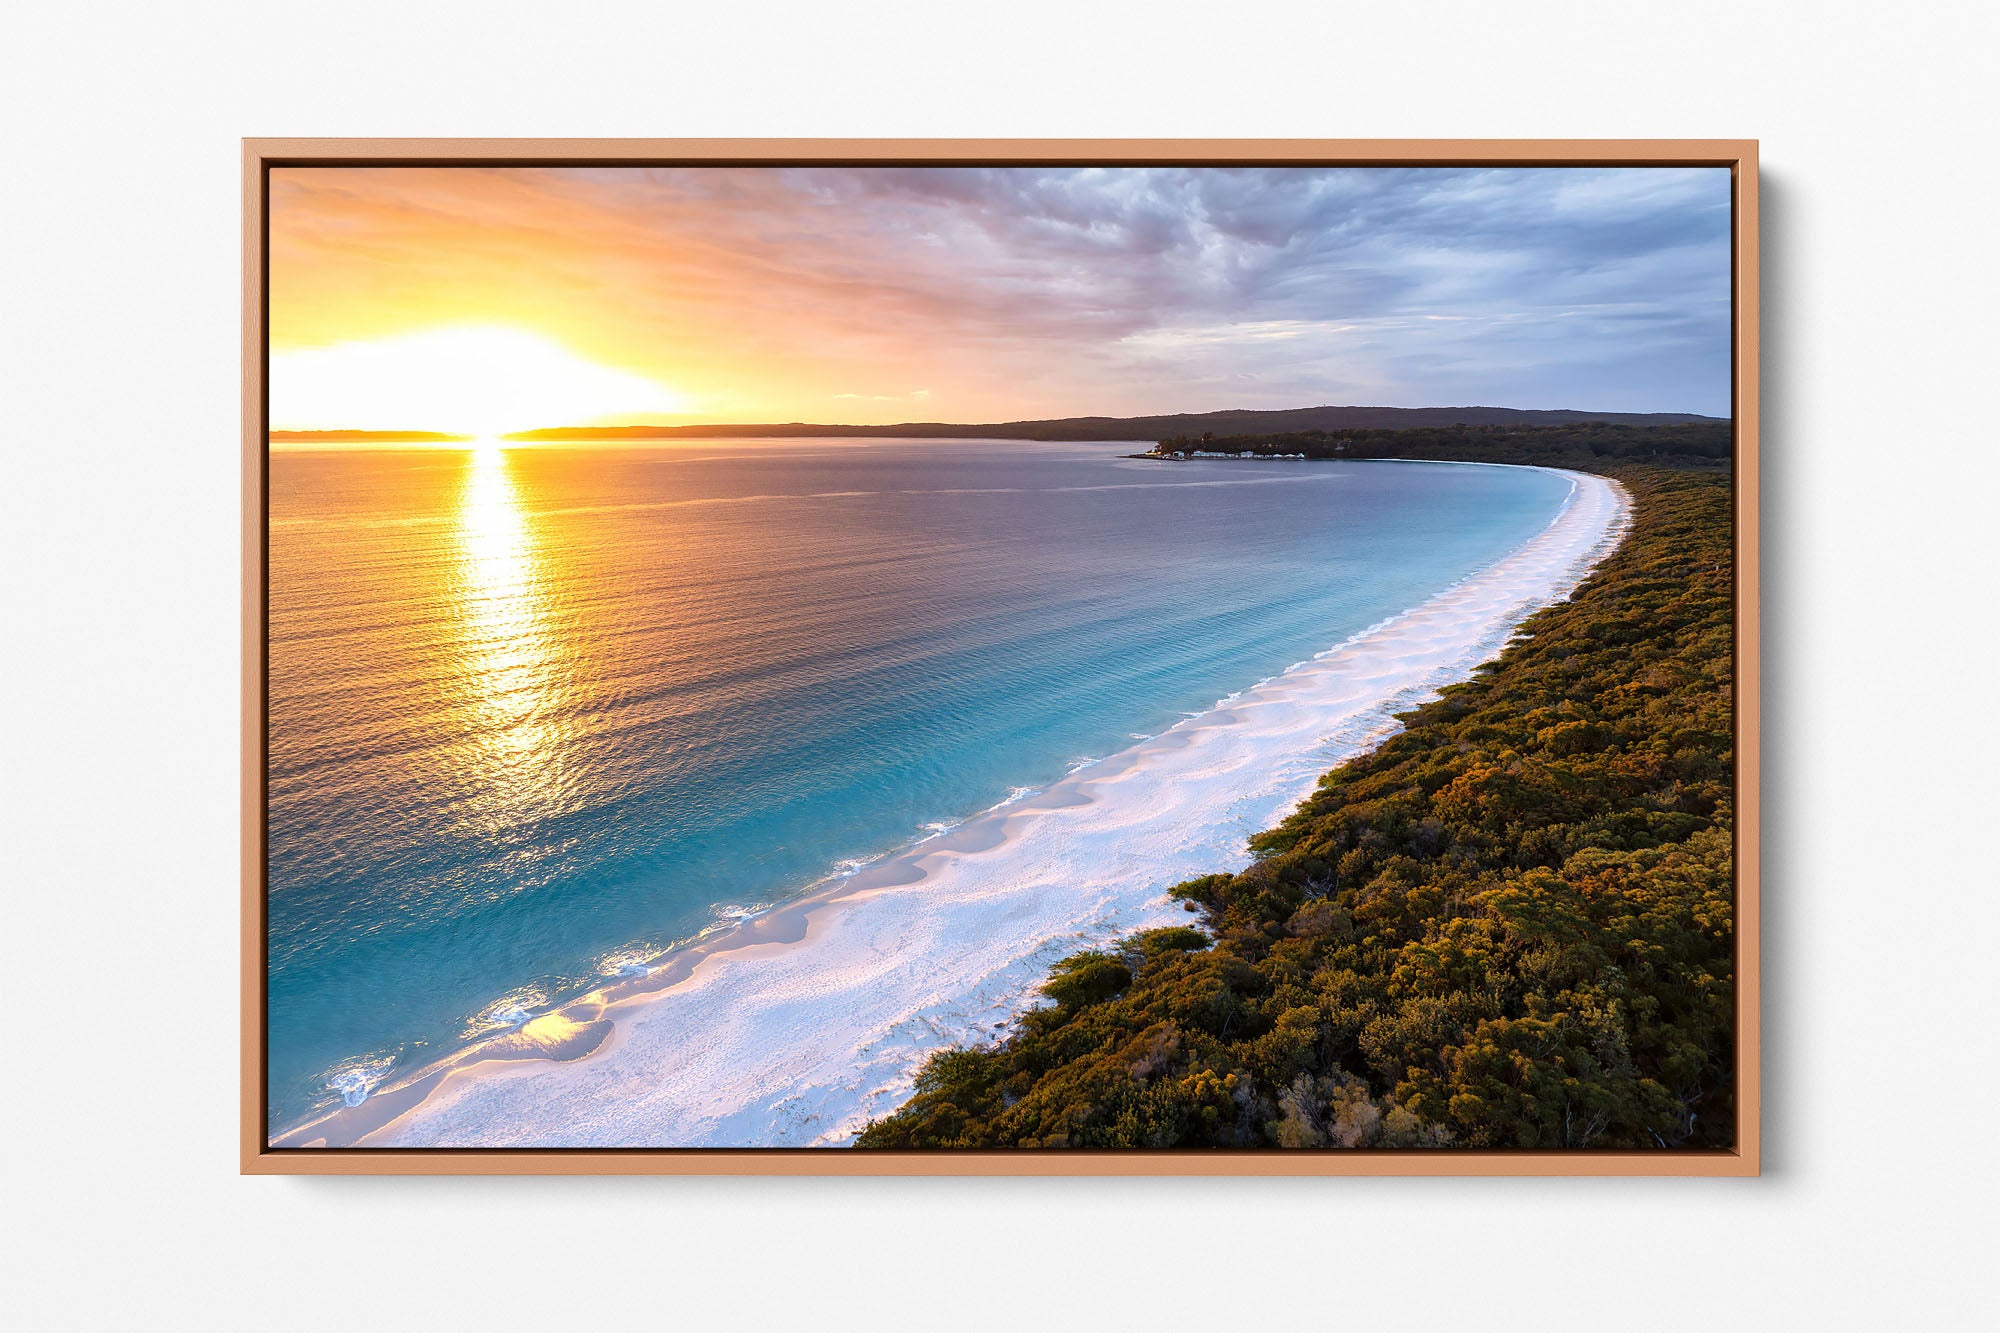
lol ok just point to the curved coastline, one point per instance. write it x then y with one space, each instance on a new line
796 1026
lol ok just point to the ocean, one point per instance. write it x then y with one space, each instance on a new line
540 717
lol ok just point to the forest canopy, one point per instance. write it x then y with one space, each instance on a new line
1509 926
1580 444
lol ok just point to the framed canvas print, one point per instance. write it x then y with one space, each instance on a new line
981 657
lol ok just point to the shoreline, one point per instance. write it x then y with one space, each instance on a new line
794 1027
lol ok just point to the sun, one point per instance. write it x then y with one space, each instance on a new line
479 380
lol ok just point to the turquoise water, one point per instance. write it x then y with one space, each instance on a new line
538 715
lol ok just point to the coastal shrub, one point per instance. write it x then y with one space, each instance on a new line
1510 925
1086 978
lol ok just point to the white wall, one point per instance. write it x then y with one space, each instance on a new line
119 415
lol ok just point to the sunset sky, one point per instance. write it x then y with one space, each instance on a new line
481 300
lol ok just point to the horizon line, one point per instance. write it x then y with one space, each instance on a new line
828 427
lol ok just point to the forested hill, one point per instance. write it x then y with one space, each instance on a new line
1574 444
1510 926
1191 424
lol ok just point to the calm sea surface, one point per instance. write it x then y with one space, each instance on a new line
538 715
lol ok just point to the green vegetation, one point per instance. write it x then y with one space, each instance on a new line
1579 444
1510 926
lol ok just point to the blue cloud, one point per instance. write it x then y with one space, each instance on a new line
1604 288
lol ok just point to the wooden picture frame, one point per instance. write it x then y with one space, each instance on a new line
261 156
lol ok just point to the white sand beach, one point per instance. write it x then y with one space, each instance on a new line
798 1026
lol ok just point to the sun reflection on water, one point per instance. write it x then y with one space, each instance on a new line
508 651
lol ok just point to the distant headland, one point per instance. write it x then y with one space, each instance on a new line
1235 421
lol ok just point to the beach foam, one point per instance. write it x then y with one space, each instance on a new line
797 1026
